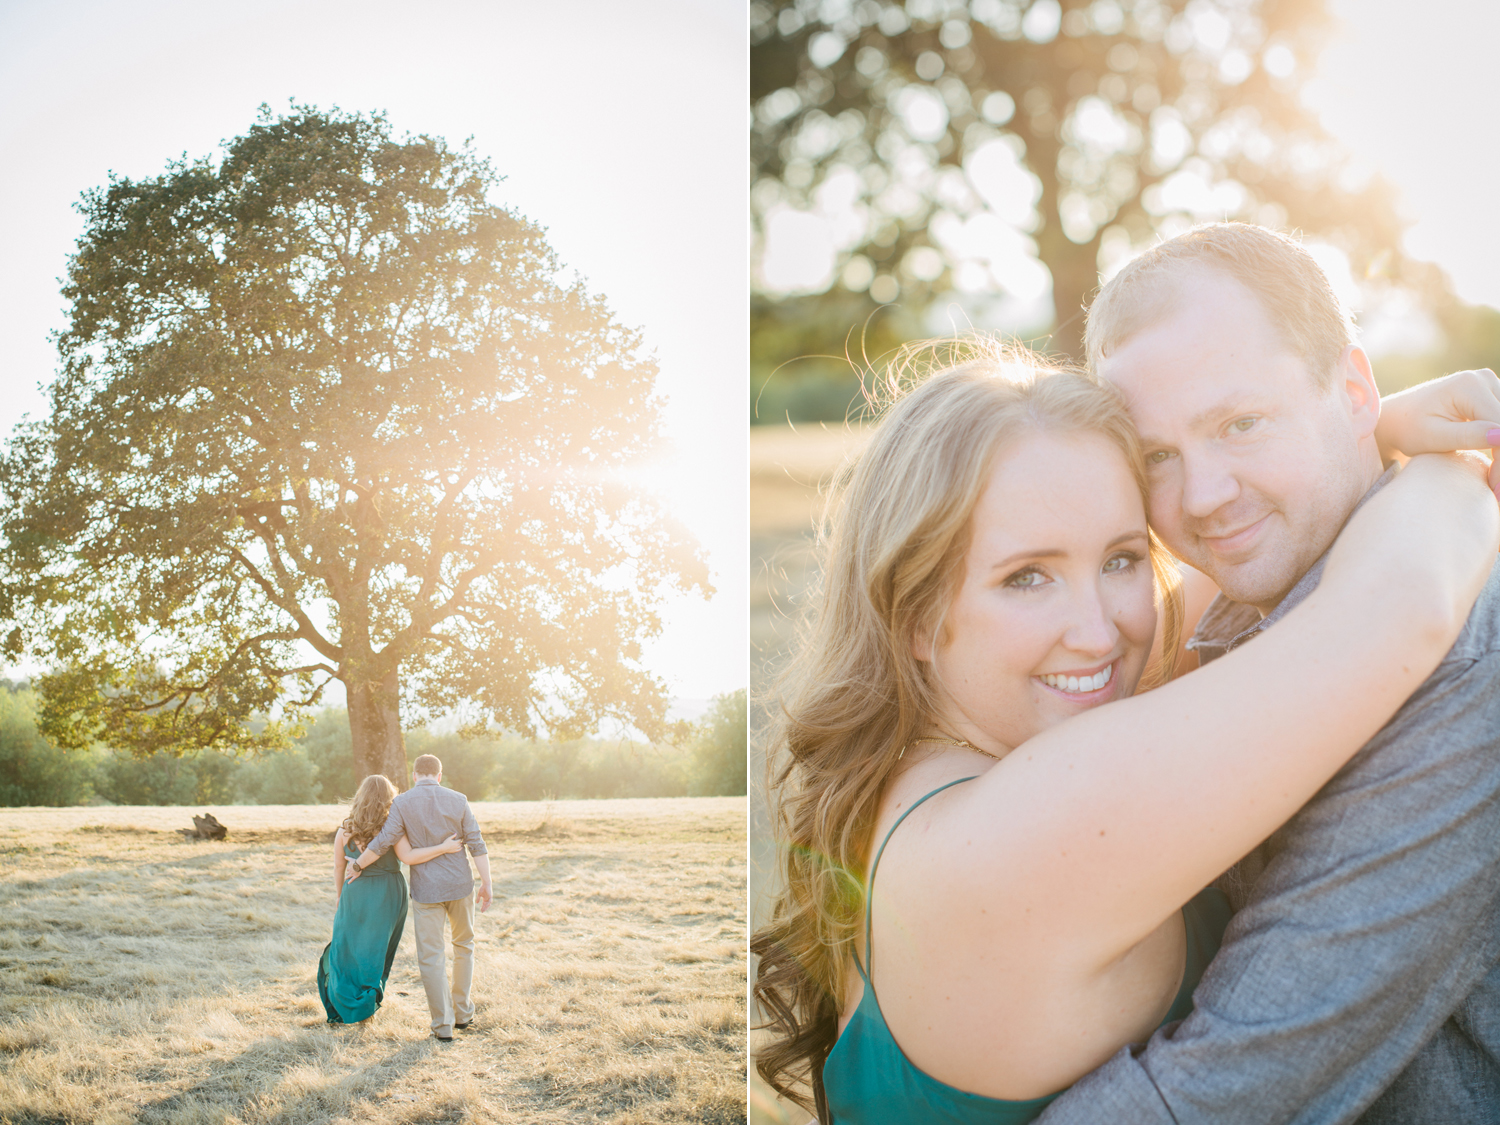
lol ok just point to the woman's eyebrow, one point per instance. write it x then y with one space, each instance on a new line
1059 552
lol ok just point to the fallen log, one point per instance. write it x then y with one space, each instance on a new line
205 828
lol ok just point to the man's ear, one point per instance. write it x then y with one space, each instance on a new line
1356 379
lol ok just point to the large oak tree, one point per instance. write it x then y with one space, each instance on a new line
327 412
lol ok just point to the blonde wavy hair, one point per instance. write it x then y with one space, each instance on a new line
368 810
892 546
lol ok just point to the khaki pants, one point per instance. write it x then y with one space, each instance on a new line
446 1005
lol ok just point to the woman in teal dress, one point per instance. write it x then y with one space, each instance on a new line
989 584
371 911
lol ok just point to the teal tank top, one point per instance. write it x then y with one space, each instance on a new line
869 1080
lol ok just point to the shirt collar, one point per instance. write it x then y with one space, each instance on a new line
423 779
1227 624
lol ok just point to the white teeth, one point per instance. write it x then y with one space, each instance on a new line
1077 685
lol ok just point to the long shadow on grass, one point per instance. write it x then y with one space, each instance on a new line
256 1071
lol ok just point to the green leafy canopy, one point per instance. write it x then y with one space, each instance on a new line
324 411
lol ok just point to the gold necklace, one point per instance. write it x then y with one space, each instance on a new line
949 742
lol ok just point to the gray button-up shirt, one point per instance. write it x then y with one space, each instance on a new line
429 814
1359 980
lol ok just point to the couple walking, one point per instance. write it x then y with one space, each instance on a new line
380 829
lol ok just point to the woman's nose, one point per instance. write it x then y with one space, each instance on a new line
1091 630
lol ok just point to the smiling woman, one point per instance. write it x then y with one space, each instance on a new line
1054 610
987 589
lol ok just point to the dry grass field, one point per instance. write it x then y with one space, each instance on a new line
145 978
790 470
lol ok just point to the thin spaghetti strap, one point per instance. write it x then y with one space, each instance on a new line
869 967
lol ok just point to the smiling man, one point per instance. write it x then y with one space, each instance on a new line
1255 461
1358 980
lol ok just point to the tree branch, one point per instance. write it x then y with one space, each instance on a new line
306 630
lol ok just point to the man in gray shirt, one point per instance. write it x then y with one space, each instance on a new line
1359 980
440 888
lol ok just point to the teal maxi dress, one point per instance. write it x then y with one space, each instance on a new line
356 963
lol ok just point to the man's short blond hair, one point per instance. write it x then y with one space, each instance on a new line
427 765
1291 287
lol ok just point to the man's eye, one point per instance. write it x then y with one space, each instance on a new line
1243 425
1026 579
1157 456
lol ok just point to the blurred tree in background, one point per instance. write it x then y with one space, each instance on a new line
721 748
326 412
969 156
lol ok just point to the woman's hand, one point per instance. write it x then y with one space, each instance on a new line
412 856
1458 411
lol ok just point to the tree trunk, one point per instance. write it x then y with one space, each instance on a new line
1075 278
375 726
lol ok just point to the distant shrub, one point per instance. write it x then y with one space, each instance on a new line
32 770
161 779
330 748
287 777
720 746
590 768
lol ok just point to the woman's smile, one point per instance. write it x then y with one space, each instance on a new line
1085 686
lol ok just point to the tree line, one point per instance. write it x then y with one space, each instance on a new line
705 759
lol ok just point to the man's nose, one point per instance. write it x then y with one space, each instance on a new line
1207 486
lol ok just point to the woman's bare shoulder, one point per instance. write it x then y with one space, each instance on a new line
340 838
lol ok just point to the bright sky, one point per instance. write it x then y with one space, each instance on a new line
1412 89
619 127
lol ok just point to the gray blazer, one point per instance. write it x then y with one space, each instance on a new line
1359 981
429 814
